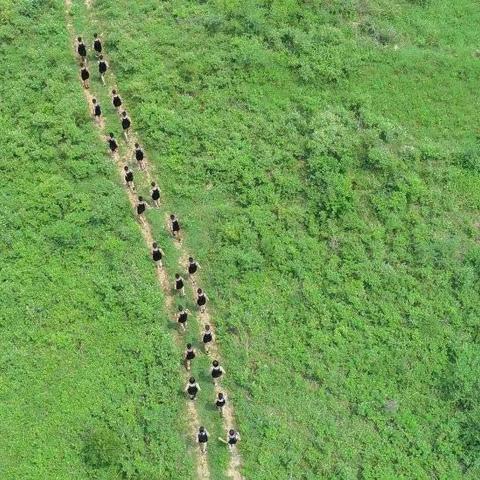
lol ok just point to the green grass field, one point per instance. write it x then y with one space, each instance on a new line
89 372
324 158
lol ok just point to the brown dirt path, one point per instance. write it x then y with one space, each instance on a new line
203 472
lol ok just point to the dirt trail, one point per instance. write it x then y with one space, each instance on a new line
203 472
204 318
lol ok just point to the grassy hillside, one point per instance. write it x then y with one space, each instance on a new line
88 371
324 159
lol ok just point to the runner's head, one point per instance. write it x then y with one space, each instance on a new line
199 291
180 308
191 380
101 57
190 259
137 145
140 199
177 275
114 92
231 431
79 39
207 327
153 184
94 101
111 135
201 429
124 114
154 245
220 396
215 363
189 346
95 35
172 217
125 168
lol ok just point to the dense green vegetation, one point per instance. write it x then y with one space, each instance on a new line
89 375
324 159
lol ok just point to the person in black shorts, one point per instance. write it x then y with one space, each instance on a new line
84 75
81 49
139 156
207 337
220 402
182 317
179 284
97 44
125 124
188 356
116 100
97 111
155 193
201 300
193 267
202 438
232 438
129 177
192 388
112 143
141 208
102 68
216 371
157 254
175 226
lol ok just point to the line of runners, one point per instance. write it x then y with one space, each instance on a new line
216 370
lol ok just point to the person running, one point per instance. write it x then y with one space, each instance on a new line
155 193
193 267
141 208
232 438
81 49
97 111
207 337
129 178
97 44
102 68
179 284
175 226
112 143
139 156
116 100
84 75
125 124
188 356
220 402
157 254
201 300
216 371
182 317
192 388
202 438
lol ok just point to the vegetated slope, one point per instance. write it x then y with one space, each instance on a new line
88 371
324 158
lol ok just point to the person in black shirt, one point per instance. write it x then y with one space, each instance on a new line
201 300
188 356
192 388
155 193
182 317
97 111
207 337
193 267
216 371
112 143
157 254
202 438
102 68
84 75
232 438
139 156
116 100
125 124
81 49
129 177
141 208
175 226
179 284
97 44
220 402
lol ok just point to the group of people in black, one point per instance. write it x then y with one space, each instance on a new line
216 370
